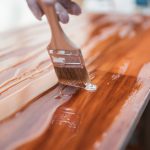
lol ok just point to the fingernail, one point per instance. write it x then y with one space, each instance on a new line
75 10
49 1
39 15
63 19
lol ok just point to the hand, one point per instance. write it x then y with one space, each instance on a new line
63 9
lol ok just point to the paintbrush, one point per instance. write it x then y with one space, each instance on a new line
66 57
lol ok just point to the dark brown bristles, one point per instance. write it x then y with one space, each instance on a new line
72 76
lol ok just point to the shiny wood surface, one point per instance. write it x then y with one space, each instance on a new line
38 113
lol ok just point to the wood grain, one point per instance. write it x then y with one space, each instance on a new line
117 54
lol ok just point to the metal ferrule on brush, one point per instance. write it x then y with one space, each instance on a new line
67 58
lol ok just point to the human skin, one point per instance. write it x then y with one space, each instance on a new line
63 9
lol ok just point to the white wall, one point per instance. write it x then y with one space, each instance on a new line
124 6
14 13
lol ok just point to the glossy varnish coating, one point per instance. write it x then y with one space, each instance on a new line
116 50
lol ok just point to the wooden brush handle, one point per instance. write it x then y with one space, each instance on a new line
59 39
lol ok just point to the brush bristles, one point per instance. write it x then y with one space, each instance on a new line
72 76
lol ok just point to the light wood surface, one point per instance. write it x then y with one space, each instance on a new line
37 113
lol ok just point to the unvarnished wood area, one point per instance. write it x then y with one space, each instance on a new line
38 113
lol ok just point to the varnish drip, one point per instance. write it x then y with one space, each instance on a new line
120 71
65 91
21 75
92 74
66 117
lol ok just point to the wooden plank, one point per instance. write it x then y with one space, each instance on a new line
116 50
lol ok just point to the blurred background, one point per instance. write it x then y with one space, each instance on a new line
16 14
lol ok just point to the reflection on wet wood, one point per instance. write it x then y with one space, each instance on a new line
51 116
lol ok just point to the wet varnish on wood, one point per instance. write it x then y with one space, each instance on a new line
37 113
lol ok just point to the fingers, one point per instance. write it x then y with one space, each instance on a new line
74 9
71 7
63 7
37 12
49 2
62 13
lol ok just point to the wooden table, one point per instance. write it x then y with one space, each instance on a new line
38 113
